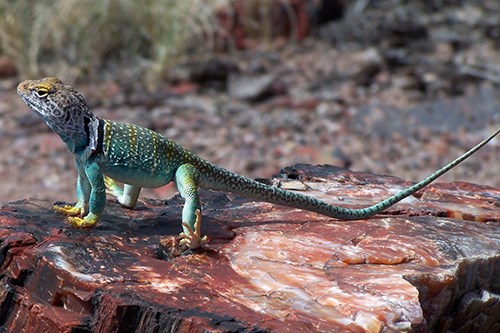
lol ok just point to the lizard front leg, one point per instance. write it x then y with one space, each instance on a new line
186 180
97 197
82 194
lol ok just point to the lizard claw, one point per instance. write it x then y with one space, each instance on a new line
69 210
192 238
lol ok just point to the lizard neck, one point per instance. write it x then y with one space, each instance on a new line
84 139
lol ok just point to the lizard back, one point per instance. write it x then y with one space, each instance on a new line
136 155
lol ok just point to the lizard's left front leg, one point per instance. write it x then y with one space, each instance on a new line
186 180
97 198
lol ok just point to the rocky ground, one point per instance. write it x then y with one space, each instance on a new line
398 90
430 265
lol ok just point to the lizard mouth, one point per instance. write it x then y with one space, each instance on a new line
24 92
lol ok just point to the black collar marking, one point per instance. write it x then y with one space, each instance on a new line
100 138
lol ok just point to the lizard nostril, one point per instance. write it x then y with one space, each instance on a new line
23 86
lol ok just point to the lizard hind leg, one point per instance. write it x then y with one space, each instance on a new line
186 180
126 196
193 238
112 187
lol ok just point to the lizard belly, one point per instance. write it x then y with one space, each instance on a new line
136 176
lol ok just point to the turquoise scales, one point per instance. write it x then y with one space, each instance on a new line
107 151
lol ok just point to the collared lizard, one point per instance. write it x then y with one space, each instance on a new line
106 152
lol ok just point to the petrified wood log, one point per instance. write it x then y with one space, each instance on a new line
432 264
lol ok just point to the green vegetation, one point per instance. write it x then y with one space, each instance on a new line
74 38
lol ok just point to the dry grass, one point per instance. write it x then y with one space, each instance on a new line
75 38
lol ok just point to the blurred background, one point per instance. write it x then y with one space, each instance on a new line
388 86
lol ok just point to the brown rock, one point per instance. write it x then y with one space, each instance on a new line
245 23
266 268
253 88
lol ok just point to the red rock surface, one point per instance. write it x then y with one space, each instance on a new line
431 265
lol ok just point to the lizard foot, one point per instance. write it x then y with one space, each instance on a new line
86 222
193 239
69 210
112 186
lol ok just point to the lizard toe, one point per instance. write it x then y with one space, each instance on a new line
193 238
69 210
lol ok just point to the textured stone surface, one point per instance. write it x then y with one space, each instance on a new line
431 264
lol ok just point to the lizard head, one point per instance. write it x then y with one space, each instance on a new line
62 107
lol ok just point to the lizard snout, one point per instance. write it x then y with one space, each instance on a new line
22 87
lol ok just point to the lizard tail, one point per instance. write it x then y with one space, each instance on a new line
381 206
222 179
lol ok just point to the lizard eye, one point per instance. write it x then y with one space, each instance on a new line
42 92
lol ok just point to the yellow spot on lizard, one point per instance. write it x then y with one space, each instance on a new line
132 132
154 137
107 134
